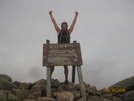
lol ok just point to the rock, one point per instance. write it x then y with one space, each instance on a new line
37 88
39 85
81 99
41 82
95 98
5 84
6 77
3 95
29 100
127 83
97 93
15 91
22 94
12 97
34 95
46 99
106 99
128 96
65 96
76 94
60 88
24 85
91 90
108 96
116 99
77 86
55 83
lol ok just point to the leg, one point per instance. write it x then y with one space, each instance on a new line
52 69
66 74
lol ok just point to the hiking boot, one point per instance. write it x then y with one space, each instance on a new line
66 82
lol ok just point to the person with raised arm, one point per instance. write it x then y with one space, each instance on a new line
63 35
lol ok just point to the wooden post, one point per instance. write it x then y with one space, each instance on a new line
81 82
73 69
48 78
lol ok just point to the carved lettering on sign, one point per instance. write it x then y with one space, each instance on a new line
61 54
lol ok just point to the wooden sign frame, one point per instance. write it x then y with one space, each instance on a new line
61 54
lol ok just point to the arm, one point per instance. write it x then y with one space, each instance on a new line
73 23
54 22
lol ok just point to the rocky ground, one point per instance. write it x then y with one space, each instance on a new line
18 91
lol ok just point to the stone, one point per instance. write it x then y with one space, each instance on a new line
91 90
5 84
81 99
22 94
116 99
76 94
60 88
55 83
12 97
128 96
6 77
65 96
95 98
37 88
3 95
127 84
29 100
97 93
41 82
15 91
106 99
34 95
46 99
108 96
24 85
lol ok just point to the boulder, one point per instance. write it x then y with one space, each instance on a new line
128 96
24 85
22 94
81 99
116 99
5 84
46 99
127 84
6 77
15 91
91 90
55 83
29 100
104 99
3 95
95 98
12 97
76 94
65 96
34 95
37 88
108 96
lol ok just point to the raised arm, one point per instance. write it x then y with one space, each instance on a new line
73 23
54 22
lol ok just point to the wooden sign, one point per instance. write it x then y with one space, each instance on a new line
61 54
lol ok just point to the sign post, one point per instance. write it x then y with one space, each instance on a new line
62 54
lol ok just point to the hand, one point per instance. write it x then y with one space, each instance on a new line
50 12
76 13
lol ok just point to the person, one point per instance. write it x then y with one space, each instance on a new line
63 37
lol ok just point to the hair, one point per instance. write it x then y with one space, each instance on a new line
64 23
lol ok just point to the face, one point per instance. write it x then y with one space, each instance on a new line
64 27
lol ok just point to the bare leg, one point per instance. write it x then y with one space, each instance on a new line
66 74
52 69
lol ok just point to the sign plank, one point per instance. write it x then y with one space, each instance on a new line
61 54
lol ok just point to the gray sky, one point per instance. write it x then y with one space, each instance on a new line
104 28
